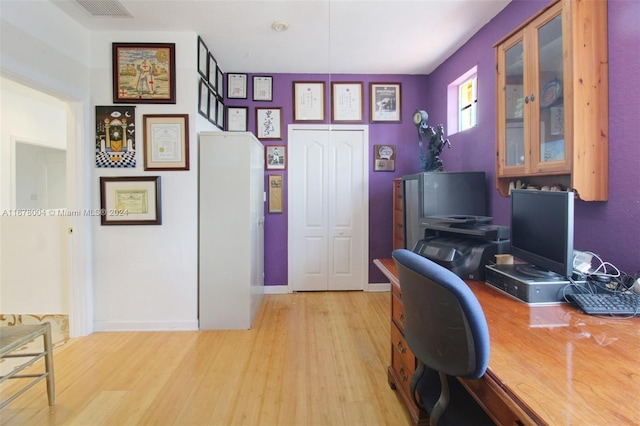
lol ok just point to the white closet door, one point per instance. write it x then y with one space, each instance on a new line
328 208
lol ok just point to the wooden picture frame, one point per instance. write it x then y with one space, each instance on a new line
166 141
203 57
385 102
263 88
144 73
236 85
237 119
308 101
269 123
347 102
275 187
384 158
275 157
130 200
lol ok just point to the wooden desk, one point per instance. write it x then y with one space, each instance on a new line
553 364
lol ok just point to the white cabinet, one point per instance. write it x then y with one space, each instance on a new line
231 229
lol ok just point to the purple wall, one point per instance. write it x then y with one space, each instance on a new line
609 228
403 135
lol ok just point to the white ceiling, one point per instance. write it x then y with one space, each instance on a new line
324 36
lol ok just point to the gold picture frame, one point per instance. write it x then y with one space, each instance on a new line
130 200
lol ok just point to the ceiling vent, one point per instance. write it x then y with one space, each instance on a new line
105 8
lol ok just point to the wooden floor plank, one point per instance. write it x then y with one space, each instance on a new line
316 358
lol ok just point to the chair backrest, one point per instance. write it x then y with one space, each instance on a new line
445 326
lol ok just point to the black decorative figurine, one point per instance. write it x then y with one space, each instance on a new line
430 160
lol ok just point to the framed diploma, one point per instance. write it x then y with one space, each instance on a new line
203 57
236 86
308 101
269 123
385 102
346 102
132 200
212 74
166 142
203 98
262 88
237 119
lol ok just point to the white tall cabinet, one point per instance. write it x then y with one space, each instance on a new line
231 229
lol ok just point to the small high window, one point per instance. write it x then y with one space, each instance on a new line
463 102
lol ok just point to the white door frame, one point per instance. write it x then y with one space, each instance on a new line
365 222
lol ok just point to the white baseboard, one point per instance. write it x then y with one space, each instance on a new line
380 287
145 326
276 289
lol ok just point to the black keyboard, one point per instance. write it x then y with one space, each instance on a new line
607 304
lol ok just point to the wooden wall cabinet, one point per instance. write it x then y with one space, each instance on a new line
552 100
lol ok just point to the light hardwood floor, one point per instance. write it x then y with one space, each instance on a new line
315 358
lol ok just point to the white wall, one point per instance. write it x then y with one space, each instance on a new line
146 277
33 262
133 277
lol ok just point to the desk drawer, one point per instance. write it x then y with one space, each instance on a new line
397 311
403 361
397 194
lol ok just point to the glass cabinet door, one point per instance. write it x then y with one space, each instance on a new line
550 144
514 105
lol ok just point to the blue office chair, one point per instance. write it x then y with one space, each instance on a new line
447 332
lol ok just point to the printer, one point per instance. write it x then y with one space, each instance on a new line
462 244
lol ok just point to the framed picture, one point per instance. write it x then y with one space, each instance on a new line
212 75
308 101
236 86
275 194
220 82
384 158
269 123
116 136
132 200
275 157
262 88
385 102
237 119
166 142
203 98
144 73
203 57
346 102
212 115
220 113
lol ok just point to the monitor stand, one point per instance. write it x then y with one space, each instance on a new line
530 289
528 270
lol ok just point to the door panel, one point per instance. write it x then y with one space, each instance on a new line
327 198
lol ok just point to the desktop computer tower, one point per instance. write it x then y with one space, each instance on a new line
440 194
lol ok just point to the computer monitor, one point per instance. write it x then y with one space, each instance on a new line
542 231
